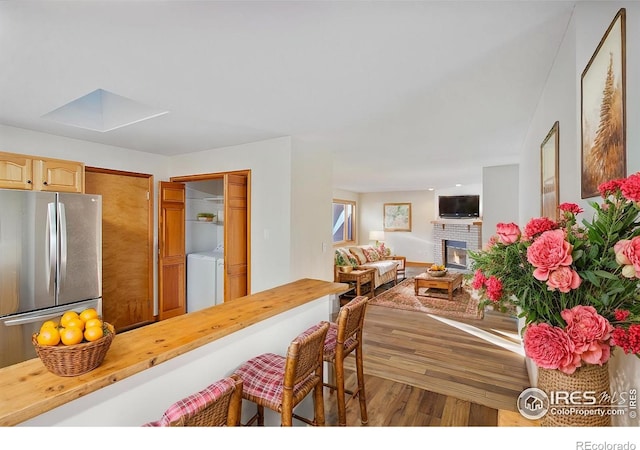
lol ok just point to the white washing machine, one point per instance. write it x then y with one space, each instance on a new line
202 285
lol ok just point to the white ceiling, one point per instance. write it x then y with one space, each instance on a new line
407 94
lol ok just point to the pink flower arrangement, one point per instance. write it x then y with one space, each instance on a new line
576 285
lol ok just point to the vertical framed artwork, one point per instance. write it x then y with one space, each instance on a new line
603 116
549 173
397 217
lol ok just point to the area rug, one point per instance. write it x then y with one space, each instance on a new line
435 301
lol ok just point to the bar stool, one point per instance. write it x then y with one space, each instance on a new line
280 383
217 405
344 337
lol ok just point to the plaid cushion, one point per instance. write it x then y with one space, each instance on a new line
331 341
194 403
263 376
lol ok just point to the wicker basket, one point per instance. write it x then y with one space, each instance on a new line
590 377
72 360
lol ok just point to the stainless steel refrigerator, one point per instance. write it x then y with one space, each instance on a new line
50 262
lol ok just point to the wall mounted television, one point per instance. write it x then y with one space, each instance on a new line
459 206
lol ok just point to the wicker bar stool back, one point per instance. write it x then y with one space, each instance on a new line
344 337
280 383
219 404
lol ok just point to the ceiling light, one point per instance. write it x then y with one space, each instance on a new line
458 185
103 111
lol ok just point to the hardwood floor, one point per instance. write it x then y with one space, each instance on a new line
425 371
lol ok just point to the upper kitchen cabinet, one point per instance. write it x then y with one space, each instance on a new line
40 174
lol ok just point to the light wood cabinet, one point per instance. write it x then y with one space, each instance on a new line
40 174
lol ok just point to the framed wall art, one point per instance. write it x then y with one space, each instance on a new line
603 120
549 173
397 217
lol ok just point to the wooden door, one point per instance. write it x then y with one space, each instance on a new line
236 237
127 245
171 246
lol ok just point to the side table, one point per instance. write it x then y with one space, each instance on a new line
361 280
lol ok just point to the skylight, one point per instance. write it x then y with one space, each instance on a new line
103 111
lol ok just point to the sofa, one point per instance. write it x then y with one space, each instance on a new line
368 256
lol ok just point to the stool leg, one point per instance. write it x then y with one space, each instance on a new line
318 404
364 419
260 415
340 394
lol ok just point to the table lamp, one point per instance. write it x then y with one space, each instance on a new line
376 236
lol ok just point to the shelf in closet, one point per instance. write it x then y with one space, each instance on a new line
205 222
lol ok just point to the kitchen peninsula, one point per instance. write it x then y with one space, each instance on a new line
148 368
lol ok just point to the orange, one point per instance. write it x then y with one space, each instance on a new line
93 333
49 336
89 313
93 323
77 322
71 335
67 316
49 323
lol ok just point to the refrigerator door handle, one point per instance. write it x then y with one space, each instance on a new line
51 246
62 274
29 318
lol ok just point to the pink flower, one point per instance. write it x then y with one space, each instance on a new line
590 333
628 340
628 255
508 233
631 187
570 207
610 187
478 280
563 279
621 314
539 225
493 240
549 252
494 288
551 348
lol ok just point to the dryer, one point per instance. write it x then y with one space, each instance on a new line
202 274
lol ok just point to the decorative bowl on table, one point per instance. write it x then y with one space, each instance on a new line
346 269
437 271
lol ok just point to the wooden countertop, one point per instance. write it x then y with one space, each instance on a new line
29 389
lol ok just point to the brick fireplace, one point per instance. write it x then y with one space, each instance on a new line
453 238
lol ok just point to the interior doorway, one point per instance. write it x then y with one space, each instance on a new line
202 214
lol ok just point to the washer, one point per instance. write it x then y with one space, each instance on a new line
202 270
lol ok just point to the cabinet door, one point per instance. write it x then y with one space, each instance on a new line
58 176
15 172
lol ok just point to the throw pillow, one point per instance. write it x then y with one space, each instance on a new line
371 254
359 254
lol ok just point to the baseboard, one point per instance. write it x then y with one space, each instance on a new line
417 264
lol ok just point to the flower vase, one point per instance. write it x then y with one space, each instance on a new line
581 399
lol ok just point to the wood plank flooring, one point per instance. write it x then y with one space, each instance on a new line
421 371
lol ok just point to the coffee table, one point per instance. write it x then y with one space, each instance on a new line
450 282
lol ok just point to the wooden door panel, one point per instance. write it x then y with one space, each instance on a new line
236 236
172 258
127 250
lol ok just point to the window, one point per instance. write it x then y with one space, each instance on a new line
344 221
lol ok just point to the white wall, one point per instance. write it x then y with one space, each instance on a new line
416 245
311 212
270 165
499 197
560 101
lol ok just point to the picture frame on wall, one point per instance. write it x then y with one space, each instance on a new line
397 216
603 114
549 173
